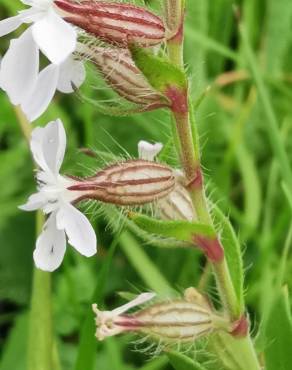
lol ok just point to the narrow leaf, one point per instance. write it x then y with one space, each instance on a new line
279 334
232 252
182 362
144 266
180 230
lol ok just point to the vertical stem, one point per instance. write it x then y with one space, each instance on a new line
40 333
23 123
190 156
175 52
40 340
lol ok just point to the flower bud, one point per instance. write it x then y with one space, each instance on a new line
120 72
114 22
177 205
133 182
185 319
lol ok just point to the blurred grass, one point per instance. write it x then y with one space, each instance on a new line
241 123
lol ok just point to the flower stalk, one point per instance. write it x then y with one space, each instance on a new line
190 157
40 332
40 340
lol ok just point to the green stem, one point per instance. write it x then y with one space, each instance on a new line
226 289
41 353
235 353
23 123
40 340
190 157
175 52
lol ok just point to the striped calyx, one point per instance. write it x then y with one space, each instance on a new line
114 22
185 319
133 182
120 72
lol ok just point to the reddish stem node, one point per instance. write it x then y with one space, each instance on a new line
179 36
197 181
211 247
179 100
240 327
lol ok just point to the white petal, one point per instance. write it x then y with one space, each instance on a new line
48 145
50 246
9 24
79 231
55 37
72 74
19 68
27 2
140 299
42 94
31 15
148 151
34 202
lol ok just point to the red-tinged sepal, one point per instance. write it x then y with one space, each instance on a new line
129 183
120 72
114 22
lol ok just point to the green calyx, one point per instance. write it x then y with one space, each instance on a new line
159 71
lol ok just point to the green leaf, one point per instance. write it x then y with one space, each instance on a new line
232 252
180 230
279 334
14 351
278 22
159 71
147 270
182 362
251 183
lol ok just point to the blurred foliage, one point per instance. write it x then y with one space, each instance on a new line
241 169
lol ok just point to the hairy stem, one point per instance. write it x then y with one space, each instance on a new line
190 158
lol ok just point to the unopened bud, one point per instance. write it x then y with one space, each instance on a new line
114 22
177 205
120 72
132 182
182 319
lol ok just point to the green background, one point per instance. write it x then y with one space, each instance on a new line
243 174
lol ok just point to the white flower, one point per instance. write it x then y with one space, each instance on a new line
63 77
48 146
52 35
19 70
178 204
176 320
148 151
110 323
